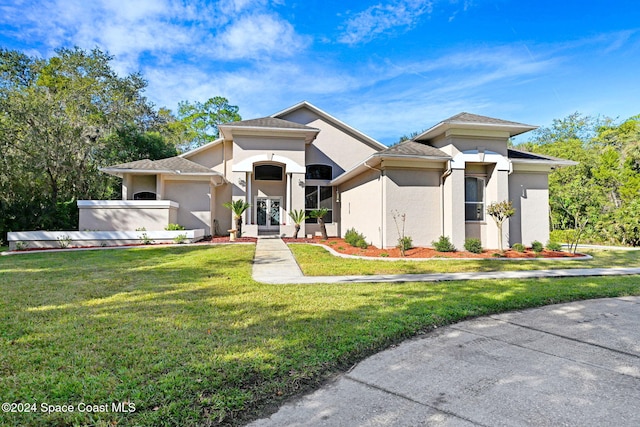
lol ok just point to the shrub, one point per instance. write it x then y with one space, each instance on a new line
180 239
21 246
145 239
405 243
355 239
554 246
518 247
473 245
64 241
384 255
537 246
443 244
174 227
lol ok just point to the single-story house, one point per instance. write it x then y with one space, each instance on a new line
304 158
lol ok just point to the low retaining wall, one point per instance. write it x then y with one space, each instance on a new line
124 215
20 240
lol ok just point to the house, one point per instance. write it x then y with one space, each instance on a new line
304 158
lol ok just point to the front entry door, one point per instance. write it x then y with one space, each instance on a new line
268 213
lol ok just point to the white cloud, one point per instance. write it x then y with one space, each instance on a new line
253 36
382 18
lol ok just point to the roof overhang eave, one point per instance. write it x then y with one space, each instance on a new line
441 128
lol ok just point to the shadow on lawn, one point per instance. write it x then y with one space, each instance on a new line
187 335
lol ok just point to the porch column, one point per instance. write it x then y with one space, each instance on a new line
248 198
286 219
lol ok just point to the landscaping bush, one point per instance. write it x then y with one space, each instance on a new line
537 246
473 245
554 246
518 247
443 244
174 227
355 239
405 243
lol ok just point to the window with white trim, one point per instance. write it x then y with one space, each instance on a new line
317 197
474 198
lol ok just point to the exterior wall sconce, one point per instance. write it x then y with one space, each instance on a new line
242 182
300 183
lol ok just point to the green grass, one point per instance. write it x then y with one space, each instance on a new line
316 261
186 335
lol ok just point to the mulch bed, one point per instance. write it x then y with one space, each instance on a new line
339 245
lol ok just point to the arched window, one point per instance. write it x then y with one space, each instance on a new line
268 173
319 172
144 195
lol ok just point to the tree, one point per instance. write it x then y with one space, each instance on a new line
199 121
237 207
56 119
500 212
319 214
298 217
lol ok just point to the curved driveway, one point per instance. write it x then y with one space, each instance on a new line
575 364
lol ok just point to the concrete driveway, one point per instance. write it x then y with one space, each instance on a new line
574 364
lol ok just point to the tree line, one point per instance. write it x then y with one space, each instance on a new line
63 118
599 199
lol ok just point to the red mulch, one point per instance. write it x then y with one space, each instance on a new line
339 245
225 239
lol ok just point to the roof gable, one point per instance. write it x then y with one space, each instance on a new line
333 121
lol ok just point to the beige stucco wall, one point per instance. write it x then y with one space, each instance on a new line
529 192
454 145
139 183
125 218
416 193
497 190
249 146
212 158
454 223
195 199
333 146
361 206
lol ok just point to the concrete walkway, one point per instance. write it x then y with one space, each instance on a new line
274 264
273 259
574 364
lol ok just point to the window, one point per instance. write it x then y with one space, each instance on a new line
268 173
317 197
473 199
319 172
144 195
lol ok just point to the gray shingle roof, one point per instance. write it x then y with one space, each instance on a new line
413 148
476 118
171 164
269 122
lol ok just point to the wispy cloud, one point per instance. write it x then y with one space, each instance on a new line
382 18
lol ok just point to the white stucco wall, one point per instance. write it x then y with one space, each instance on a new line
121 215
139 183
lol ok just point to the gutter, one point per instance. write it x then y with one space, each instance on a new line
444 176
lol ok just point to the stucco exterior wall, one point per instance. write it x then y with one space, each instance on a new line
333 146
529 192
453 145
361 206
416 193
112 215
454 223
139 183
245 147
212 158
220 213
195 199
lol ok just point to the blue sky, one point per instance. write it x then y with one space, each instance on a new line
386 67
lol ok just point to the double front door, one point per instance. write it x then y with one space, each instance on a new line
268 211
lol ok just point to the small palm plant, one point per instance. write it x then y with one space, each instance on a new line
298 216
237 207
320 214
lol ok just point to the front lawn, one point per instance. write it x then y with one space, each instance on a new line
187 336
316 261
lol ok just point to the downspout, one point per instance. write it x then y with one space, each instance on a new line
444 176
381 202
